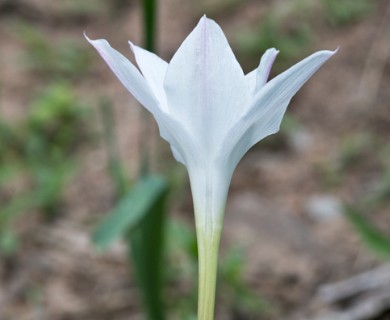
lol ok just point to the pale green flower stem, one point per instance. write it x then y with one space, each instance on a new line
208 247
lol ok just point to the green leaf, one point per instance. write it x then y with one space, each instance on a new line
50 183
130 211
376 240
8 242
146 245
16 206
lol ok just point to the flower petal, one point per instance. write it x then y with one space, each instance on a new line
153 69
250 79
268 107
127 73
257 78
205 85
264 69
176 154
183 147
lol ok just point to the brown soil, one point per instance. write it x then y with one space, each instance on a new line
58 275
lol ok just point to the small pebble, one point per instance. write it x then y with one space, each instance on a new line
323 207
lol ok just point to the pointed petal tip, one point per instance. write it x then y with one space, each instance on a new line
97 42
330 52
132 48
205 20
273 51
92 41
86 37
207 25
325 54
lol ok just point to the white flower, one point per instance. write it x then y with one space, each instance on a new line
206 108
209 111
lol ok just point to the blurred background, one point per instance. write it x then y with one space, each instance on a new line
307 227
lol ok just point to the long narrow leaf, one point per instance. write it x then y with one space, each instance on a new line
130 211
374 238
147 245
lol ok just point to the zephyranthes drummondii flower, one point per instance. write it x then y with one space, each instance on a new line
211 114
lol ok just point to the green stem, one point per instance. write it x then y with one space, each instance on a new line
149 11
208 247
149 20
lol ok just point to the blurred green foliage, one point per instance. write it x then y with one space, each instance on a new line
380 194
130 211
218 7
64 58
147 243
292 27
244 302
55 116
292 38
353 149
83 9
367 151
285 28
377 240
352 153
343 12
37 157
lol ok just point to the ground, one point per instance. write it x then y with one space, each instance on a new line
285 206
